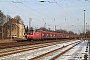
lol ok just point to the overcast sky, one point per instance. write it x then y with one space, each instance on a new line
65 14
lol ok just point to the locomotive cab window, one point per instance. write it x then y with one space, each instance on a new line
30 33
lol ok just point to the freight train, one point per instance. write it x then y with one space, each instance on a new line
46 35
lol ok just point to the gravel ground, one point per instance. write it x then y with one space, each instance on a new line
6 40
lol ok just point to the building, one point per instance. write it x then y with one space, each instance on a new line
0 31
13 28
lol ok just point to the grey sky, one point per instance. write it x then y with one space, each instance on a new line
65 14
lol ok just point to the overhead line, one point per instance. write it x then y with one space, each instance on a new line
36 10
28 7
62 9
68 7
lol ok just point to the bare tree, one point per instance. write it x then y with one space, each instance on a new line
2 18
19 19
43 28
8 17
61 31
71 32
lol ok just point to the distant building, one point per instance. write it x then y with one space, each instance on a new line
13 29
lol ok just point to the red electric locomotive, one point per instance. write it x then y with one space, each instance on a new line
32 35
38 35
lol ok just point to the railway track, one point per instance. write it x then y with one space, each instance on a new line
22 48
14 50
34 49
17 44
52 55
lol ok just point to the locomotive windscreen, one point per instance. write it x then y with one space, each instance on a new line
30 33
